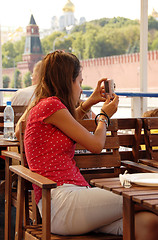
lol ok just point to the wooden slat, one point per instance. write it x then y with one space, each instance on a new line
152 123
153 139
149 162
139 167
96 161
129 122
134 193
126 140
141 198
91 126
111 142
151 203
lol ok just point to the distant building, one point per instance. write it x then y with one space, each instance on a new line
11 34
67 20
33 49
154 14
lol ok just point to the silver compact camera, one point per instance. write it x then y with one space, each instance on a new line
109 87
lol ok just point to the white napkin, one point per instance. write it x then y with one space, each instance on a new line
125 179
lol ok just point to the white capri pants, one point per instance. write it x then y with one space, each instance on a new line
78 210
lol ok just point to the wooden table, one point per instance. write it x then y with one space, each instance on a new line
3 146
146 197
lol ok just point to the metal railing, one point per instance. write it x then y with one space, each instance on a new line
126 94
130 102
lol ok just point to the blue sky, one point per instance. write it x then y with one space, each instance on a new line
17 13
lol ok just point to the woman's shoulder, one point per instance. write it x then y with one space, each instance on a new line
51 100
49 104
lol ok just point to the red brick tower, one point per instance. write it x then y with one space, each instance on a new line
33 50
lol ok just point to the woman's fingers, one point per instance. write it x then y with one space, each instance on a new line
100 82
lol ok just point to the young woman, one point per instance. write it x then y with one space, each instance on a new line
51 132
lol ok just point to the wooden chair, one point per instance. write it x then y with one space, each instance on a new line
151 141
7 183
11 194
131 139
106 164
18 111
129 132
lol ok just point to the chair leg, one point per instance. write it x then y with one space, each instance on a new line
46 214
8 188
35 212
19 209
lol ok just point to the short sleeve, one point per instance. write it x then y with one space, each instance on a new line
46 107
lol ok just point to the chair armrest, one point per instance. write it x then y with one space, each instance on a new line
139 167
33 177
13 155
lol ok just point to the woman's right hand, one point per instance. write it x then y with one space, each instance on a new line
110 106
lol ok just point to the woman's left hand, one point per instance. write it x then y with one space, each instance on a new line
98 94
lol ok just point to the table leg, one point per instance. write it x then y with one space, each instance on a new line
128 219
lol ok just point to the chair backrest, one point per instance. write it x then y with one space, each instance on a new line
105 164
151 137
110 157
130 138
18 111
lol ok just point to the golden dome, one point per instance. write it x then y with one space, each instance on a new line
69 7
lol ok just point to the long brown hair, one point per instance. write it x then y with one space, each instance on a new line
58 71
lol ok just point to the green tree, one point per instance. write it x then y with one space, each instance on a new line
86 87
6 81
19 49
64 43
12 53
89 41
8 55
17 81
48 41
27 79
154 45
78 45
152 23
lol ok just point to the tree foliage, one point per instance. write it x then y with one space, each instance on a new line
27 79
94 39
12 53
17 81
6 81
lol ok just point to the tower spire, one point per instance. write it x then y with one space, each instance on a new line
33 49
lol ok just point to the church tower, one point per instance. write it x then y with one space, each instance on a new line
68 18
33 50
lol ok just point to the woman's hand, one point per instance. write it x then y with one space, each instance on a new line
98 94
110 106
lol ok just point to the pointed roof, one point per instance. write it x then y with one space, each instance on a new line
32 20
